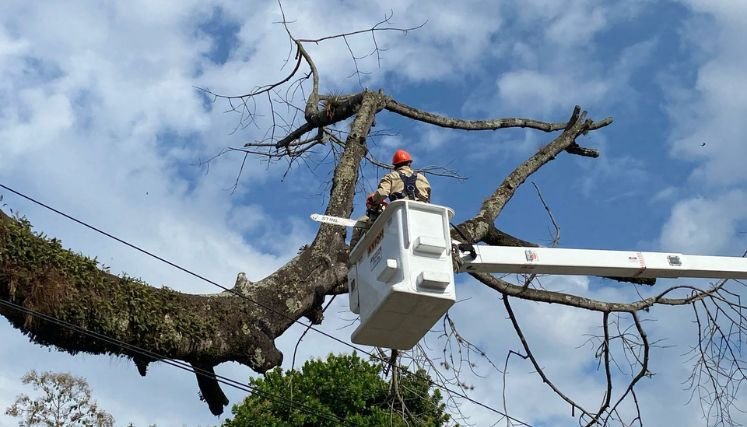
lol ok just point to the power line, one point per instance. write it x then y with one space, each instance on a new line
178 267
172 362
240 295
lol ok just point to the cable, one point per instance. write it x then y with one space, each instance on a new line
161 358
232 291
240 295
178 267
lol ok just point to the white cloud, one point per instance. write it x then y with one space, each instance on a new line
98 117
667 194
577 26
563 78
625 169
713 113
447 46
706 225
732 13
10 47
546 92
560 340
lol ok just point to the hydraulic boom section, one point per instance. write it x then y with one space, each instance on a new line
590 262
401 275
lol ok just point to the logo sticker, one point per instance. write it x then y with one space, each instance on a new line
375 259
375 242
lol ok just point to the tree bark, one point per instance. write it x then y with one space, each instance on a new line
238 325
204 330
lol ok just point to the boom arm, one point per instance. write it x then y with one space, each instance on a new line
401 272
589 262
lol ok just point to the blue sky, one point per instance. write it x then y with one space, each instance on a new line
99 118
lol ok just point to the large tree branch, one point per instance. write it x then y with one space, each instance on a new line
312 103
496 237
478 227
40 275
491 124
336 109
552 297
204 330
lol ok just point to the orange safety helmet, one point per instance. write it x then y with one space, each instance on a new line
401 156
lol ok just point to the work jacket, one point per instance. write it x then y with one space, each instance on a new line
392 185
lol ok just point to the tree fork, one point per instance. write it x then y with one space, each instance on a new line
204 330
39 275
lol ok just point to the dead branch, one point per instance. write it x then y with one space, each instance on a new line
528 354
641 373
577 125
556 233
571 300
493 124
336 110
465 350
242 324
605 350
376 27
496 237
259 90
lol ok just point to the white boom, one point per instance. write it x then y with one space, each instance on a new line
401 275
589 262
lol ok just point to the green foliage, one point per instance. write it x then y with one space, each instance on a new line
65 400
343 390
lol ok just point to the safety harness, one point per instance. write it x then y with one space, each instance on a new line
411 189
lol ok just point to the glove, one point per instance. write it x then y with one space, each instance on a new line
370 203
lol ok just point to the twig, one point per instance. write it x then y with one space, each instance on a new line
605 346
532 359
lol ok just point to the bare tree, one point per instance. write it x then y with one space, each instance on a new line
123 316
65 401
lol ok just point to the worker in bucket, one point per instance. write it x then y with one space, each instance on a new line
401 183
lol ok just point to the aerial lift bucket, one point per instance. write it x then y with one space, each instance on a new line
401 278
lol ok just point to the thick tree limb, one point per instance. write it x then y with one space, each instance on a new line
312 103
496 237
202 330
447 122
336 109
205 330
478 227
571 300
493 124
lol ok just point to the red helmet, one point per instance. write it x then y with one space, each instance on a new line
401 156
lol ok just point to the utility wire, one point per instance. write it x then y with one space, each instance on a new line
240 295
172 362
178 267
